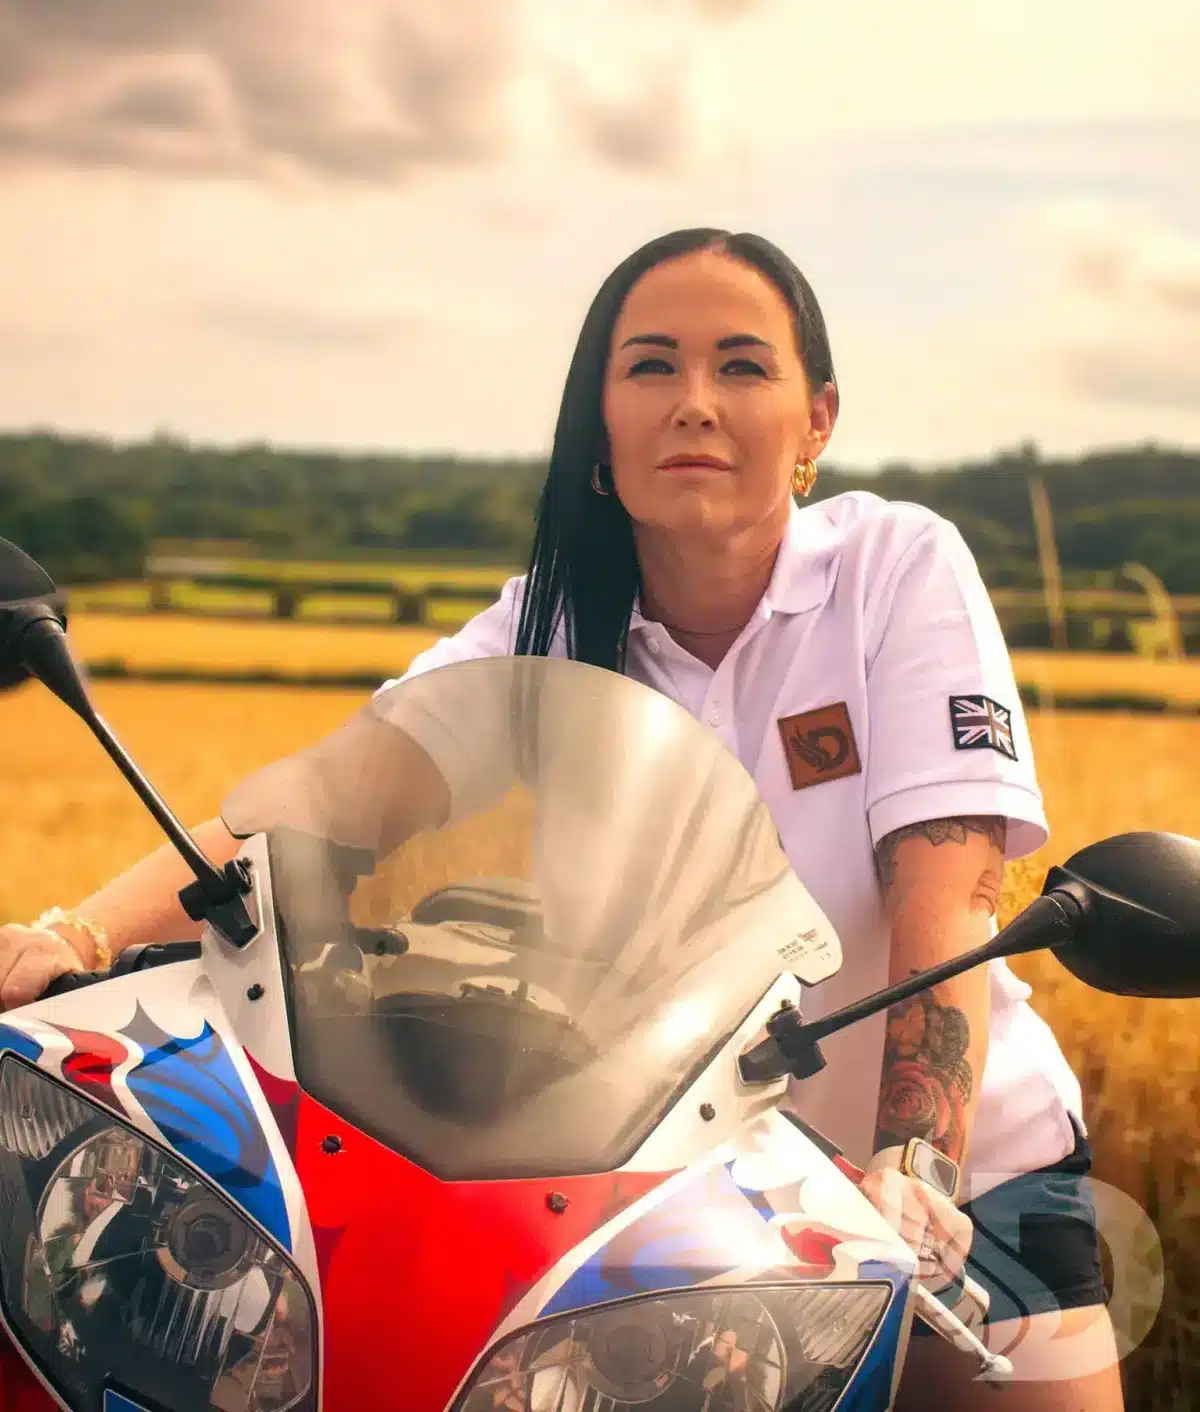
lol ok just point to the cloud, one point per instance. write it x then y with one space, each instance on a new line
1126 257
315 329
373 91
1096 343
719 10
254 87
1125 326
646 131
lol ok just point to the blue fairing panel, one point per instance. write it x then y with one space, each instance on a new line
871 1388
114 1402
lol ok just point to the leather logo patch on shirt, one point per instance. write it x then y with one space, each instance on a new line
820 745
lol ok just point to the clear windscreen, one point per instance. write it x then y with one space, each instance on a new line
522 902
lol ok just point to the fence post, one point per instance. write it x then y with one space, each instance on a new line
408 608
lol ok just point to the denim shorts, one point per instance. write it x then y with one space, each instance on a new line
1035 1248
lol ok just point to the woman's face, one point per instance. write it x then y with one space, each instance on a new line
704 364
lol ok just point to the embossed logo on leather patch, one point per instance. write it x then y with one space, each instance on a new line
820 745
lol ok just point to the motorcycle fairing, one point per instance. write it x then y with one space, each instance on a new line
440 1269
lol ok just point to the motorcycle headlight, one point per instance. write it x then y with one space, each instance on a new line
121 1268
761 1349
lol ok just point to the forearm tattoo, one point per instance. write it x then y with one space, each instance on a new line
927 1082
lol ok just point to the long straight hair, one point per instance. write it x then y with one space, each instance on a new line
583 569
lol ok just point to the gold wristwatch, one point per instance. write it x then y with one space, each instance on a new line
920 1159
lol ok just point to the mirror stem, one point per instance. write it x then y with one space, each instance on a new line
217 896
792 1046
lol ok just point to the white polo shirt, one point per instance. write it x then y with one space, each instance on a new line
871 689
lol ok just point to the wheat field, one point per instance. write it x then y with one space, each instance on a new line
69 823
299 649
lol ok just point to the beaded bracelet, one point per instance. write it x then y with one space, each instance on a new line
95 933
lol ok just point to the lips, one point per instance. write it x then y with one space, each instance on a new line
714 463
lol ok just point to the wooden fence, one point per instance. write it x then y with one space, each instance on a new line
415 593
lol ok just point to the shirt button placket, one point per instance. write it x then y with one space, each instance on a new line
718 712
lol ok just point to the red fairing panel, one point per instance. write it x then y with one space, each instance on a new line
20 1391
416 1273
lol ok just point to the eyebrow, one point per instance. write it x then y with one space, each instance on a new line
664 340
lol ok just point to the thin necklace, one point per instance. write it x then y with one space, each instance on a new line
696 632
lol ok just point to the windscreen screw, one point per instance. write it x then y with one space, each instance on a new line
557 1202
707 1112
331 1144
256 992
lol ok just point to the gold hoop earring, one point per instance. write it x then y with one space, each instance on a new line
804 477
596 486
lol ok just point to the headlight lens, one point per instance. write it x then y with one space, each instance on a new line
120 1267
760 1349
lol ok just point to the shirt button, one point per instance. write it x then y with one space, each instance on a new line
714 717
654 647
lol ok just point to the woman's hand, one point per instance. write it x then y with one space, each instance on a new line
30 959
930 1224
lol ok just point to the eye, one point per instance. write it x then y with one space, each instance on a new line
742 366
648 365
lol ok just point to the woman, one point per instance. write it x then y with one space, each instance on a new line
848 654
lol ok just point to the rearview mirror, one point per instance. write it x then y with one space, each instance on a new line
1122 915
1140 932
24 587
33 643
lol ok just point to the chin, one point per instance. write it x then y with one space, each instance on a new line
698 517
695 511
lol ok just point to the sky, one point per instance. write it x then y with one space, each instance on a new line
378 224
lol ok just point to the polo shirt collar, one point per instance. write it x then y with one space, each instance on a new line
803 572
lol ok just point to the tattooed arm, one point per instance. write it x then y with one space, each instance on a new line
941 885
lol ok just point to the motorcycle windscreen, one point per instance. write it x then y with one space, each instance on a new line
522 903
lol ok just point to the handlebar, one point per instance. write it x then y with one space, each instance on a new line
72 980
133 958
370 941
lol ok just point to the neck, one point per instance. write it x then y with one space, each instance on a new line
704 592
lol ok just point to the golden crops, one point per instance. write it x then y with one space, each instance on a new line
159 641
69 823
224 645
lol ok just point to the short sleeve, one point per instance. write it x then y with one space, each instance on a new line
465 743
947 732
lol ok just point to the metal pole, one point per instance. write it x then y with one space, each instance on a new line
1043 523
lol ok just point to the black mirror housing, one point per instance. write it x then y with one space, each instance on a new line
1140 934
26 592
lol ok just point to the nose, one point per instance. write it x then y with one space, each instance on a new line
697 403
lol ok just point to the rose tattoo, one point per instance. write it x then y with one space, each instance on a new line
927 1081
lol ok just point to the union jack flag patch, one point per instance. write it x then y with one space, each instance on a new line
982 724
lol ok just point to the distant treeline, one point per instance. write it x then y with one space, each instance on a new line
90 509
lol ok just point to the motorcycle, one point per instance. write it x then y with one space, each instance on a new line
460 1102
